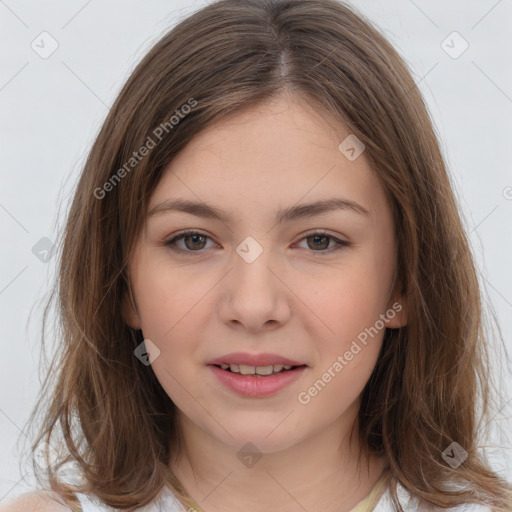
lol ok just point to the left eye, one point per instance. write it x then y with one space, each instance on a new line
322 241
195 242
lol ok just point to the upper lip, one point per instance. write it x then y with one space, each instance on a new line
265 359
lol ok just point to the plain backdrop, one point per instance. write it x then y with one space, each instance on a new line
53 105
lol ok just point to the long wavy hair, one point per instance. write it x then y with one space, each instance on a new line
106 413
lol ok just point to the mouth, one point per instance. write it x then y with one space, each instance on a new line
257 371
256 375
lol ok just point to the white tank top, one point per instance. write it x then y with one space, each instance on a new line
166 501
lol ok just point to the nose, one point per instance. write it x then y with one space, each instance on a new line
255 297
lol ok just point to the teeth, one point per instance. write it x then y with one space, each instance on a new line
246 369
264 370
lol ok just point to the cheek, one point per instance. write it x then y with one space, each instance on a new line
348 300
346 356
169 299
337 386
173 312
347 326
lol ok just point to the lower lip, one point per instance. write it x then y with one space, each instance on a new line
252 386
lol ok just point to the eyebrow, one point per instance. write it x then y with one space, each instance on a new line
204 210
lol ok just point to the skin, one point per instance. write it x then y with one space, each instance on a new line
296 300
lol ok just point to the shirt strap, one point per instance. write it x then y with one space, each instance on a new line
368 503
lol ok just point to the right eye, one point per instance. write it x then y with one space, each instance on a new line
194 242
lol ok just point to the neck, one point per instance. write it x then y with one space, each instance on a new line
310 475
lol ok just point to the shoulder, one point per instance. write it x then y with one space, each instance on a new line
412 504
35 501
50 501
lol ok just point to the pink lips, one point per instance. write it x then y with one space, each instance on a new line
252 385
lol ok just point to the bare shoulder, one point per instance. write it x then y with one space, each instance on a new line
37 501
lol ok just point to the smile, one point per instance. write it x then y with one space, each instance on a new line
256 381
257 371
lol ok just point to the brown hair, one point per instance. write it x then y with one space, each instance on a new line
423 393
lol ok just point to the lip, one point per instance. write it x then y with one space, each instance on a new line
264 359
255 387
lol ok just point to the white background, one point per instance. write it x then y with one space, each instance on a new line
52 108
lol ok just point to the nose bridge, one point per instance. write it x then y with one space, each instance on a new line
252 262
255 294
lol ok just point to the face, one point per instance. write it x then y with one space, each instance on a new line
264 281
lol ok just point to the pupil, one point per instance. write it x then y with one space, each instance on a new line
195 237
322 246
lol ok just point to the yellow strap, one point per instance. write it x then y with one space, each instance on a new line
368 503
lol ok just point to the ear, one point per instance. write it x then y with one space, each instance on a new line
396 312
129 310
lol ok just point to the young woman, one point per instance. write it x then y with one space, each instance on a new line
267 298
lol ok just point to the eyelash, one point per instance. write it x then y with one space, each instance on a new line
340 243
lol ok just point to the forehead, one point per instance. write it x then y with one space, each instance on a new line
275 154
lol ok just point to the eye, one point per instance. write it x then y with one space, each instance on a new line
320 241
194 241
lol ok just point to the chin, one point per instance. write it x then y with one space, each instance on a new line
267 436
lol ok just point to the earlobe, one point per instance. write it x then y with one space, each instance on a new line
396 314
